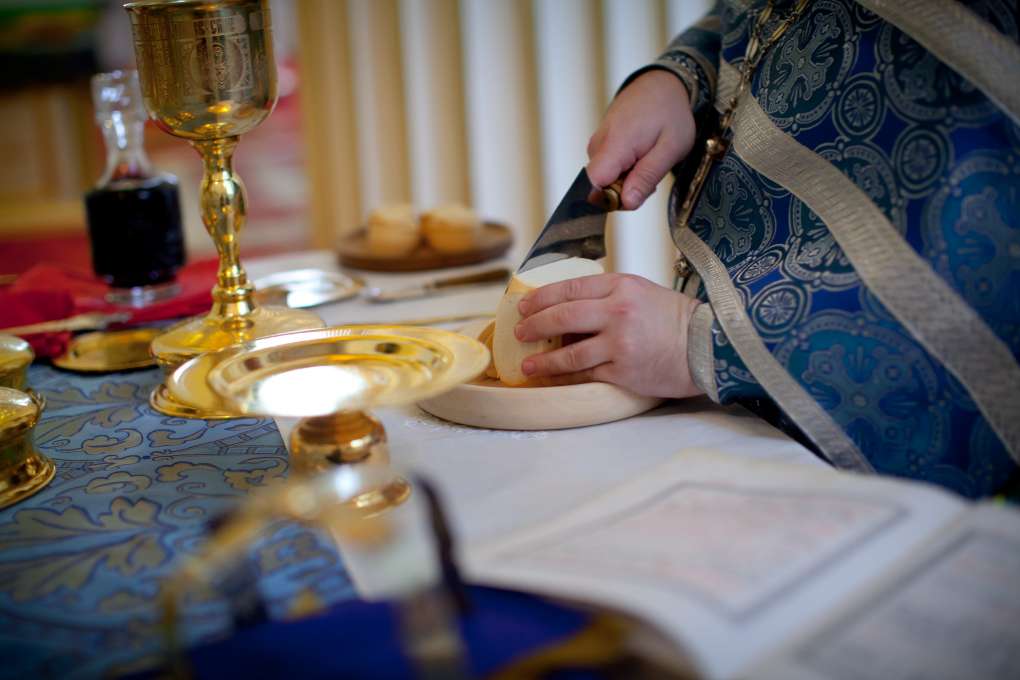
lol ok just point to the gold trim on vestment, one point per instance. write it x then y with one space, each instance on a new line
701 351
963 41
791 397
937 317
729 80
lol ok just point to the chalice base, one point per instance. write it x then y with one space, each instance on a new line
348 438
28 476
211 332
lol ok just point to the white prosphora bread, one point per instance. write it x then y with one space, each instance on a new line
507 351
393 231
451 228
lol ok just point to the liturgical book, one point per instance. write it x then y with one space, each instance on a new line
775 570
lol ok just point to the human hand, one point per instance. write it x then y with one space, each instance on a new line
647 130
639 333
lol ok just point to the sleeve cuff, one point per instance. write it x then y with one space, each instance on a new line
701 351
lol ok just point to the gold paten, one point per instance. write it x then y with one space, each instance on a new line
23 470
15 357
109 351
208 75
328 377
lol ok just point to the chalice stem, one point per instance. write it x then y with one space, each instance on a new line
223 213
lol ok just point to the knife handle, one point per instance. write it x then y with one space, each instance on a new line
501 275
613 195
608 198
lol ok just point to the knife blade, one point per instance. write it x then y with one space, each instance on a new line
577 227
379 295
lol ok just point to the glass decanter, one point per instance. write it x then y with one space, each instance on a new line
134 213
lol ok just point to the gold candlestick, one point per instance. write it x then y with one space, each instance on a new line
208 76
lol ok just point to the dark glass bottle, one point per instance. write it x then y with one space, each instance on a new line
134 213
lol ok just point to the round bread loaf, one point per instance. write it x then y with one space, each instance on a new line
393 231
451 228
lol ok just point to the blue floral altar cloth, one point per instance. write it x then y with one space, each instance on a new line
81 562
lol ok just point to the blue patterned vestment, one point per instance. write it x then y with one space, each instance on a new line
886 99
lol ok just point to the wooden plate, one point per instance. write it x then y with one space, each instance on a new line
489 404
493 241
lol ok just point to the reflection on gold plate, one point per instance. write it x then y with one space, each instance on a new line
109 351
345 368
493 241
23 470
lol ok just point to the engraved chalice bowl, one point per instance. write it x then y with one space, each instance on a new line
208 76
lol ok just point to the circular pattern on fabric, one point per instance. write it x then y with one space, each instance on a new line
778 308
922 88
732 215
803 72
814 255
972 232
876 383
921 157
861 107
760 265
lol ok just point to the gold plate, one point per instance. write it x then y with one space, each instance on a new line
186 393
109 351
344 368
163 402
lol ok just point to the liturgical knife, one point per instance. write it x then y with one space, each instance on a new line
577 227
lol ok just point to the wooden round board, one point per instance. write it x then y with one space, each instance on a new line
493 241
487 403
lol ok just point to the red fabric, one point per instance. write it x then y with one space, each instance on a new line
46 292
25 307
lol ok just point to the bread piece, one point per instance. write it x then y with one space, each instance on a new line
393 231
485 337
451 228
507 351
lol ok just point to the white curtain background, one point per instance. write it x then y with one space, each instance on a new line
485 102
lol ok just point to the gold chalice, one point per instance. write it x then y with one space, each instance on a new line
208 75
329 377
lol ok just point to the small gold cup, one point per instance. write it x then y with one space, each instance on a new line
15 357
23 470
208 76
